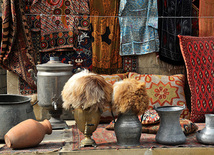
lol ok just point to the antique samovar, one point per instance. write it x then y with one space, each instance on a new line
51 78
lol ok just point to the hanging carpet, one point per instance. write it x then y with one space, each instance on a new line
105 36
60 22
17 53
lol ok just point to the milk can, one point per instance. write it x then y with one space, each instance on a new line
206 135
51 78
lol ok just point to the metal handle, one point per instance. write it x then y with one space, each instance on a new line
54 104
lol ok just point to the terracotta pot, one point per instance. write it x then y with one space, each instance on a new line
28 133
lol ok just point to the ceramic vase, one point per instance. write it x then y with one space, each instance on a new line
170 131
28 133
128 129
206 135
87 122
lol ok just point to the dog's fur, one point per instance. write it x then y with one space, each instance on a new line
86 90
130 94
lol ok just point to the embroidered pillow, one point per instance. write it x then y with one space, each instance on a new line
106 115
114 77
164 90
150 117
198 54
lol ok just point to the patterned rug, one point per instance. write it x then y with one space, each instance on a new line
106 139
129 64
45 147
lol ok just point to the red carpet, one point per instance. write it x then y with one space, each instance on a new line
106 139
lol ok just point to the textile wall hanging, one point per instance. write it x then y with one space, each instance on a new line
60 22
17 52
79 53
138 27
105 36
206 18
198 53
130 64
171 25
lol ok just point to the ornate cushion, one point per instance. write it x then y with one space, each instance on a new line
198 54
106 116
164 90
150 117
114 77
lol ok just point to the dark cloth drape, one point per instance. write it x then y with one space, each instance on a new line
17 53
174 21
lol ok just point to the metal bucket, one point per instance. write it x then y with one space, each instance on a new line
13 110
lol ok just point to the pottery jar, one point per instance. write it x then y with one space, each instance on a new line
28 133
128 129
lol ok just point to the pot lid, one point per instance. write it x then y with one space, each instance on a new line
54 64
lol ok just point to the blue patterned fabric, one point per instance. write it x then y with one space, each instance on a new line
138 27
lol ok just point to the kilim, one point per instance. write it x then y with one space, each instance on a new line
17 53
60 22
105 36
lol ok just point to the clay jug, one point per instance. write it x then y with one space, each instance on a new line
128 129
28 133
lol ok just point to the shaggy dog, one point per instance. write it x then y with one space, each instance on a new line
130 94
86 90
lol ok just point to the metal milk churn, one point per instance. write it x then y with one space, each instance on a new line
51 78
206 135
170 131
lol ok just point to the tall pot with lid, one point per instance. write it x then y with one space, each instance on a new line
51 78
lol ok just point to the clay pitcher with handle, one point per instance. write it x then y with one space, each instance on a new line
28 133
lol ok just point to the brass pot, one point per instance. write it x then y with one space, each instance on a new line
87 122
